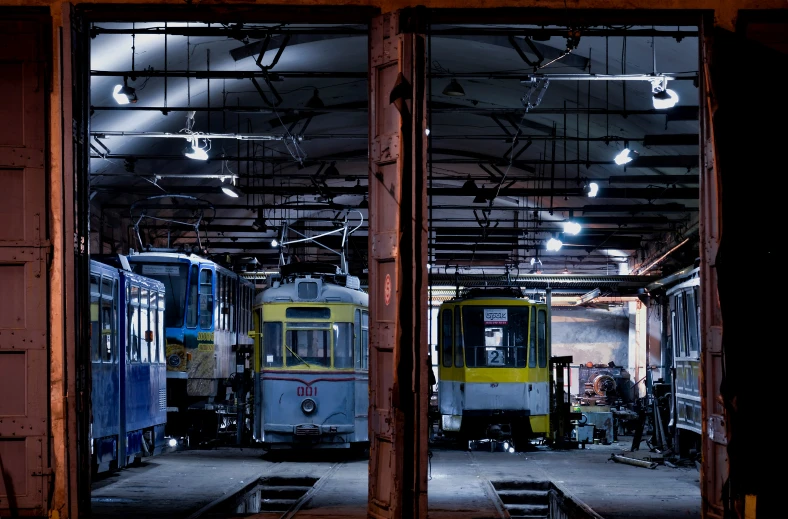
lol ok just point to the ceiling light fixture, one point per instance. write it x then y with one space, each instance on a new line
454 89
331 169
196 151
536 265
624 157
470 186
315 101
364 204
554 244
665 99
231 191
591 189
259 223
662 96
124 94
571 227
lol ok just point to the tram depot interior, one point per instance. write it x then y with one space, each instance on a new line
532 129
561 161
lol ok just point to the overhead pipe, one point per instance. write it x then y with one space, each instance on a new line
655 193
251 31
229 74
644 208
649 161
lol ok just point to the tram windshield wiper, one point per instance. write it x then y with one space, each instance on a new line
297 356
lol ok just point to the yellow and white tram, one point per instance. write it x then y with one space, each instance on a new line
494 367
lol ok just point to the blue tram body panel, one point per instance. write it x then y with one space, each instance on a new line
311 360
128 399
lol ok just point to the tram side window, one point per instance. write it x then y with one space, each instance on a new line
692 323
219 306
206 299
364 340
162 324
116 335
154 326
233 304
191 312
518 336
542 337
144 326
446 338
95 331
680 331
458 341
107 323
357 339
226 296
134 324
343 345
532 342
272 345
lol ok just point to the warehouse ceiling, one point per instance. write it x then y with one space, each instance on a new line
522 120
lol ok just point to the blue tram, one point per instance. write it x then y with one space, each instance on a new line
208 318
128 398
311 360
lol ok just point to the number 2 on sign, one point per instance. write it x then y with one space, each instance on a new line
495 358
306 391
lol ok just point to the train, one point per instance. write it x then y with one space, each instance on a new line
128 372
685 347
495 377
206 325
311 360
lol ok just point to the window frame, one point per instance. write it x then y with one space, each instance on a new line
447 337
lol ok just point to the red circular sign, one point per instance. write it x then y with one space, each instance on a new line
387 290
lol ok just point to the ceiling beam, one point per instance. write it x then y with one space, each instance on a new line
648 193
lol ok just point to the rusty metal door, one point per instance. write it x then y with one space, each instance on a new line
398 397
738 390
24 366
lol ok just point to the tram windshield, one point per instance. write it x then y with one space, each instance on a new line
495 337
173 275
308 343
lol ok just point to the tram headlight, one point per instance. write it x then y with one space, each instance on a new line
308 406
172 442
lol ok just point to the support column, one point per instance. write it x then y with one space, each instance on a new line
397 267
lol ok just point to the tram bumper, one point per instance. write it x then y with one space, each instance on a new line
325 435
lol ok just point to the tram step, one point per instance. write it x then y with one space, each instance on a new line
520 484
525 497
276 505
530 511
283 492
281 481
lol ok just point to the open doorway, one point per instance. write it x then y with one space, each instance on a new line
564 164
219 149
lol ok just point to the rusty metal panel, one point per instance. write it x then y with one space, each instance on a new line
23 381
397 270
735 403
714 470
23 275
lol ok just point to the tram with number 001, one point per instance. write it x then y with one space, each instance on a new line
311 360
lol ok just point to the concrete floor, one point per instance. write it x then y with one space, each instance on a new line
190 484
